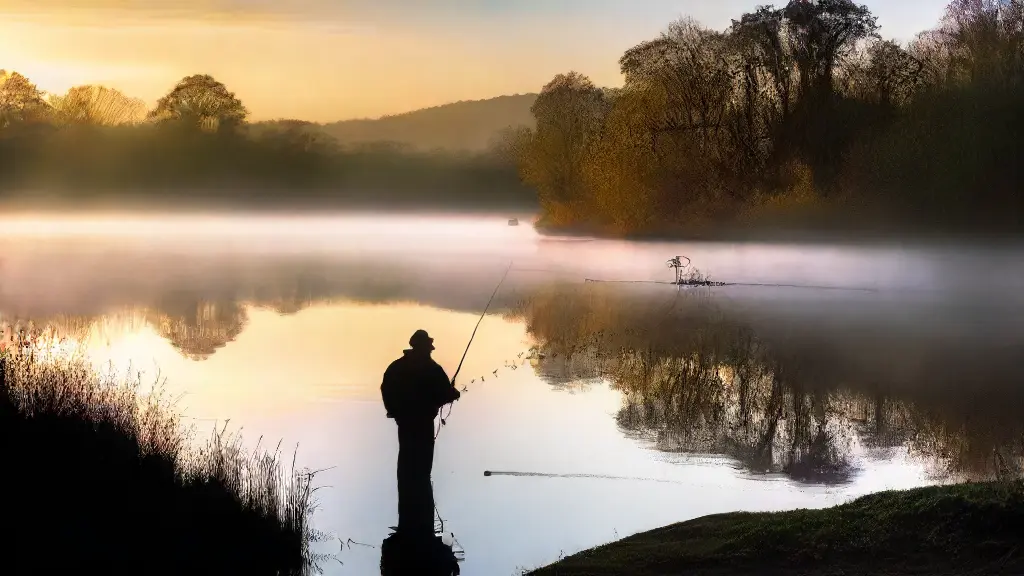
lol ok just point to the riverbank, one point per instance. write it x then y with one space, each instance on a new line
100 480
878 234
963 529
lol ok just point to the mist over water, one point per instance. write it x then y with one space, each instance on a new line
754 397
123 259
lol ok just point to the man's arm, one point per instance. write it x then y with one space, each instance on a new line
443 388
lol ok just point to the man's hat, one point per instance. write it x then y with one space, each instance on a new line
420 340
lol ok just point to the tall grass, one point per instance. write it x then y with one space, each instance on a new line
97 477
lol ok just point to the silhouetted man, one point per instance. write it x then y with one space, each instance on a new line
414 389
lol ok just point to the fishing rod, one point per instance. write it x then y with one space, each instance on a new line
479 320
440 411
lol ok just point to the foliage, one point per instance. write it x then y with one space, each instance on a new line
96 106
95 144
201 101
711 127
21 101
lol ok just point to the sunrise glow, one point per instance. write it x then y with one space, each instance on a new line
364 58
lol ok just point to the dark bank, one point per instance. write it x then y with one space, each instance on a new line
100 480
936 398
963 529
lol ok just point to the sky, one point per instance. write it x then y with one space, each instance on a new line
326 60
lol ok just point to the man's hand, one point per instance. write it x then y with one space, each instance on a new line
453 394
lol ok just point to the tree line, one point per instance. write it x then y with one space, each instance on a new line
801 115
198 144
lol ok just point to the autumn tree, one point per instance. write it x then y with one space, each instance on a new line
686 80
680 95
20 100
201 101
624 175
569 113
96 106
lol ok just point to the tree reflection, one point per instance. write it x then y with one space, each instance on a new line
198 328
700 377
807 391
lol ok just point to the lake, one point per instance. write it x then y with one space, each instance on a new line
616 407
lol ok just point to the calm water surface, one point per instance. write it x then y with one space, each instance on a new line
705 400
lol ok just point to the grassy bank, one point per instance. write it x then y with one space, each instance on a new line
98 481
963 529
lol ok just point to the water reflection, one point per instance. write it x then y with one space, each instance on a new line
819 388
779 388
200 302
701 373
408 552
195 327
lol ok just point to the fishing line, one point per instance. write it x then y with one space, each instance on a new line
440 411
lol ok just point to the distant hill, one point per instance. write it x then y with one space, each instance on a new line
466 125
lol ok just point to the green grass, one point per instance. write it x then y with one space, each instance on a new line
963 529
100 479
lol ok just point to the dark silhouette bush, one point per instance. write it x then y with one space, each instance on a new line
101 479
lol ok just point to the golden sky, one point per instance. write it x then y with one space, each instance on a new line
326 60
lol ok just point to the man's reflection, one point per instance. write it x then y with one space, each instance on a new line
417 552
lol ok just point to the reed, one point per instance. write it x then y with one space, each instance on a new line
100 477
